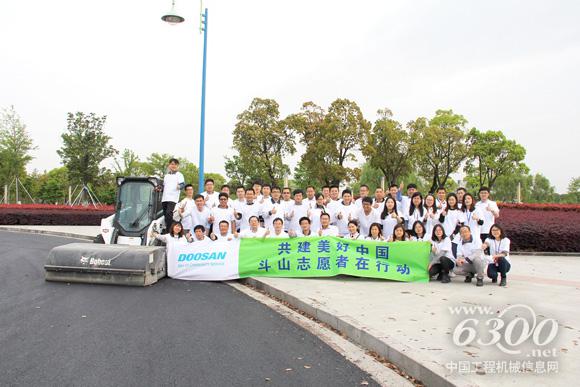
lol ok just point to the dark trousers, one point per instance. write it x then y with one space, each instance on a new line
454 249
444 266
168 208
503 266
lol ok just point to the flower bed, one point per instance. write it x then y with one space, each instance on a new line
542 227
45 214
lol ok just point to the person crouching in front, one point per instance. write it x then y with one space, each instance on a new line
470 260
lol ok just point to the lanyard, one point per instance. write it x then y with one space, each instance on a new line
497 247
469 215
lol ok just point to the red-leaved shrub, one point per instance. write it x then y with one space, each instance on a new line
45 214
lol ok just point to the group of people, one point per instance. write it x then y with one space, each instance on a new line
463 232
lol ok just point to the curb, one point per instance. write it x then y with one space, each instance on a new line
397 353
47 232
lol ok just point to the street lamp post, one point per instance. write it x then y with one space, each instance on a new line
173 18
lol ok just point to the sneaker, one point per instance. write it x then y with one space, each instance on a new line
479 282
468 278
445 279
503 281
494 280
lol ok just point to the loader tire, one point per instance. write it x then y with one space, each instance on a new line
99 239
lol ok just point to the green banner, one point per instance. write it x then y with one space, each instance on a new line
330 256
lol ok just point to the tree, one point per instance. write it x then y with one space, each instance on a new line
240 171
15 146
573 195
128 165
542 190
492 155
386 147
54 187
506 187
439 145
262 141
85 146
370 176
331 138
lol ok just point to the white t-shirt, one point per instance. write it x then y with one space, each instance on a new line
443 248
247 211
283 234
348 212
248 233
185 217
431 219
172 187
200 217
211 200
294 213
228 237
356 236
470 249
488 218
389 224
333 207
315 218
285 206
329 231
220 214
365 221
415 216
268 207
452 219
469 219
498 247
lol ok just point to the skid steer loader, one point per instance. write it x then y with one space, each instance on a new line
125 252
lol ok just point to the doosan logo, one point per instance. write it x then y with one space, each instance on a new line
202 256
95 261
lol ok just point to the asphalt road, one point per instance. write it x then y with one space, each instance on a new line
175 333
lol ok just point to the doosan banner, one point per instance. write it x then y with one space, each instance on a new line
298 257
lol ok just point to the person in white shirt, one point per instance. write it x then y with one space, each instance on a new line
326 193
406 201
452 218
353 233
415 211
249 208
347 212
431 214
326 229
315 211
460 192
418 233
499 254
254 230
366 216
379 200
226 189
238 204
257 187
278 231
396 194
173 183
390 217
472 216
199 233
182 212
297 211
310 199
224 232
440 202
175 235
266 193
363 192
375 233
333 204
273 208
490 211
399 234
304 230
200 214
470 260
286 203
222 212
441 259
210 195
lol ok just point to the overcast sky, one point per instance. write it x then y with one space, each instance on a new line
509 65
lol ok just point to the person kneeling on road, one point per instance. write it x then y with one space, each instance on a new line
470 260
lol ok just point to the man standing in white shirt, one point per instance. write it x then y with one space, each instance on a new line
278 231
173 183
254 230
326 229
250 208
441 200
257 187
200 214
210 195
379 200
406 200
310 199
285 204
273 209
490 212
367 216
326 193
363 193
182 212
333 205
297 211
346 212
222 212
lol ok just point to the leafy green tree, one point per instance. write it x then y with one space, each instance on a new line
15 146
541 190
262 141
439 146
370 176
128 164
241 171
54 186
506 187
492 155
156 164
387 147
218 179
85 147
573 194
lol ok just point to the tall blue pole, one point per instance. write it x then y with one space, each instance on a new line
202 124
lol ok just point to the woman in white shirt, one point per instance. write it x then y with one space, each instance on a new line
472 215
416 211
315 212
499 254
451 219
353 233
175 235
399 234
442 260
389 217
375 233
418 232
431 214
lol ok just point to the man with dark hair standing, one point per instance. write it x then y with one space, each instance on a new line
210 195
173 183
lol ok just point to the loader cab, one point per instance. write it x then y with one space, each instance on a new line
138 205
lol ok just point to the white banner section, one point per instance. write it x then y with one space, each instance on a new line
205 260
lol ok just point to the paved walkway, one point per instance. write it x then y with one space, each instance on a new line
412 325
